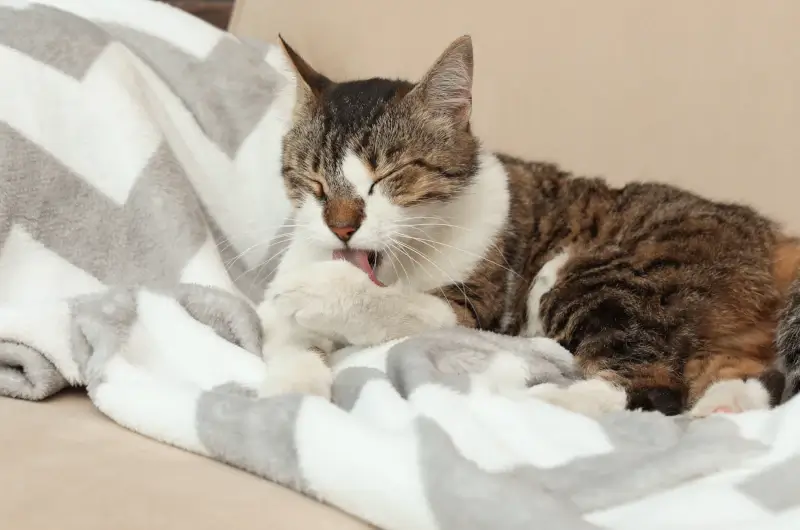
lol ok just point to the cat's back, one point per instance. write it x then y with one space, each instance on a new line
637 211
656 212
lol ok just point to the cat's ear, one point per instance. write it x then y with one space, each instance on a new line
446 89
310 83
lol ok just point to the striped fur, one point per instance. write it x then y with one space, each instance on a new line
788 341
658 290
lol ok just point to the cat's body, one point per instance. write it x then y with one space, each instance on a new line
658 293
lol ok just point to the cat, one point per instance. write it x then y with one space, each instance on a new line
673 302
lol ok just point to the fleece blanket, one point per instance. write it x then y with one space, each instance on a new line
141 216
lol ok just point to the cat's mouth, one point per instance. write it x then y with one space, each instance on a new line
366 260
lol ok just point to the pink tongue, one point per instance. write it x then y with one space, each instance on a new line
359 258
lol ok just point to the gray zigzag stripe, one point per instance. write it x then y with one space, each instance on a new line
145 242
227 92
776 488
69 44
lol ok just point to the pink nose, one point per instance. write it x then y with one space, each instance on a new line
343 232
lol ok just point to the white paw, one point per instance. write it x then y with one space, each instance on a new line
297 372
321 297
731 396
506 375
592 397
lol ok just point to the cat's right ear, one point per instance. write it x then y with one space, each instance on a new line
447 87
310 83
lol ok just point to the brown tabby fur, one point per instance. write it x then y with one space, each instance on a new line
664 292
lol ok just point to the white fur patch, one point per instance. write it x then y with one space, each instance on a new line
357 174
447 241
431 245
507 375
592 397
731 396
441 244
337 300
293 370
545 280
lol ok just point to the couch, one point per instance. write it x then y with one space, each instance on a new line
700 95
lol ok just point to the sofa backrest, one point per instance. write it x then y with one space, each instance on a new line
705 95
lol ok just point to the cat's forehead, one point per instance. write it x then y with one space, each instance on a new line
347 125
356 104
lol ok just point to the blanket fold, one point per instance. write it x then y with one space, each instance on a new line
142 215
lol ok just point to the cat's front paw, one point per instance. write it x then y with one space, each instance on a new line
297 372
323 297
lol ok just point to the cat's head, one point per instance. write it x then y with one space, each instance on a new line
371 161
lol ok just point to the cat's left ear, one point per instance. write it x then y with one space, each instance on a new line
446 89
310 83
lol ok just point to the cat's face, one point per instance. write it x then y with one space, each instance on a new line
371 164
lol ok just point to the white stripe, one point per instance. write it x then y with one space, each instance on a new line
367 472
356 173
31 273
206 268
167 341
94 127
247 205
159 409
378 404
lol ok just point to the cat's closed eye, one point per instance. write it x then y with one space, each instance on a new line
392 174
317 189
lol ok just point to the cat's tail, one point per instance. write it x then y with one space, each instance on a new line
787 341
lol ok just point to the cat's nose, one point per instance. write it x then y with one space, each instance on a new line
343 216
344 232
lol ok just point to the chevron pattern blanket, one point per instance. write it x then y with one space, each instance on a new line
141 216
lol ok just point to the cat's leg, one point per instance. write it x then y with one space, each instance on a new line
593 305
295 358
609 387
296 369
730 382
335 299
592 397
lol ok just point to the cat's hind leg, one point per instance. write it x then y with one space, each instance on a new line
731 382
590 397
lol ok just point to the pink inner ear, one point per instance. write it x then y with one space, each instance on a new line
723 410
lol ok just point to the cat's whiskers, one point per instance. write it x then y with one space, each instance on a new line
226 242
458 285
415 262
431 242
394 258
259 230
263 264
416 226
281 238
260 265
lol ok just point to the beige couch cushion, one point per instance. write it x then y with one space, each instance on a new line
701 94
66 466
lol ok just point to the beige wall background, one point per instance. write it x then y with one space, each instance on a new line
703 94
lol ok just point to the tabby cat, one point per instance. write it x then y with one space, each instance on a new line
667 301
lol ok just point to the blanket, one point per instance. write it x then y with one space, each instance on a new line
141 216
